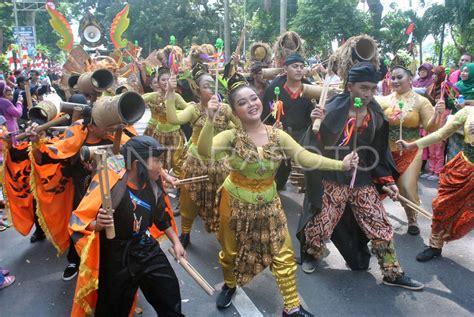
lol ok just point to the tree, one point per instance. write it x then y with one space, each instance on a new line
320 22
7 22
462 26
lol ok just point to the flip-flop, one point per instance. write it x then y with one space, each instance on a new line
3 228
9 280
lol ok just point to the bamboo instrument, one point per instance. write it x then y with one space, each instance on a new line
58 121
357 105
194 274
86 153
322 104
77 113
103 170
117 140
29 100
191 180
411 204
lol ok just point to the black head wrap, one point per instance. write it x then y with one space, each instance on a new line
364 72
256 67
140 148
78 98
294 58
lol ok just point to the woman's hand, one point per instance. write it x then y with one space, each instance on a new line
404 145
278 125
212 107
103 220
350 161
440 107
172 85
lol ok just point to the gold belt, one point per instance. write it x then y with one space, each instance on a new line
251 184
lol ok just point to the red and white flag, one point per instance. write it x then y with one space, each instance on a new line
24 57
409 32
11 61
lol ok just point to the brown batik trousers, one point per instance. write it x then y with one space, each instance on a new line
370 215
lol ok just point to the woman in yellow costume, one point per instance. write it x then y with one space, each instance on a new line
251 223
169 135
199 198
414 110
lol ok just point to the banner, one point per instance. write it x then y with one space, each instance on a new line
26 38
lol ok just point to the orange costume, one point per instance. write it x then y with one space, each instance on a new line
87 242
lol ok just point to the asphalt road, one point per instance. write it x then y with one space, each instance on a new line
333 290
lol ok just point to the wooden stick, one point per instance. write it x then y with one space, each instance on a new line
117 140
103 170
194 274
58 121
411 204
29 100
322 104
191 180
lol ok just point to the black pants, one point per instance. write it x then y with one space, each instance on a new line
125 266
282 174
72 256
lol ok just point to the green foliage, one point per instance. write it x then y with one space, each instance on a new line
4 65
319 22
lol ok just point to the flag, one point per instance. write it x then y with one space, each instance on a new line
10 59
409 32
24 57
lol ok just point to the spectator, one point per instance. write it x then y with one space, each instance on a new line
9 110
455 76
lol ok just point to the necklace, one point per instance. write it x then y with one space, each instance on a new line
409 101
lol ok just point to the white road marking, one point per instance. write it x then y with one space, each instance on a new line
244 305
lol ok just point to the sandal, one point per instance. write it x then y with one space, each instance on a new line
9 280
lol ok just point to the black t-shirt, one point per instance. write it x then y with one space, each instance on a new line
137 211
297 117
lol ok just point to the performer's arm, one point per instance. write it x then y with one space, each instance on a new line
449 129
149 97
209 145
428 115
180 104
177 246
305 158
172 116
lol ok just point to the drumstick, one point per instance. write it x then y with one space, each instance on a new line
322 104
357 105
194 273
411 204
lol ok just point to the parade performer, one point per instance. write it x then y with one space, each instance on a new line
251 223
199 198
453 207
414 110
297 109
335 138
60 180
169 135
456 141
112 270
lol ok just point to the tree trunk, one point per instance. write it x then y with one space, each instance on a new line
421 52
1 40
283 12
227 41
266 5
441 44
376 9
